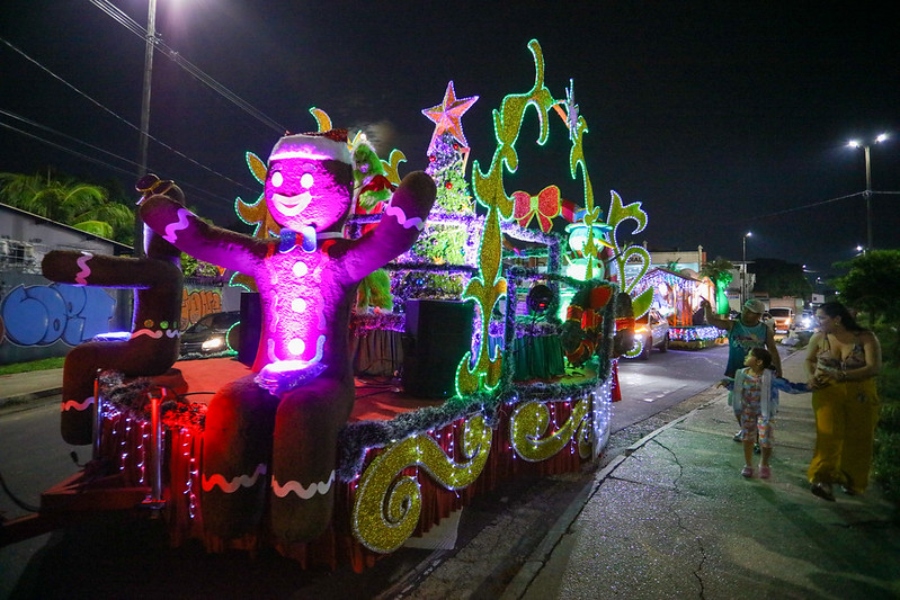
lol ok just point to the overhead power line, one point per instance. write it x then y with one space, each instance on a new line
135 28
97 161
799 208
116 116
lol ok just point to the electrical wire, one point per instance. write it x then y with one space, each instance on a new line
21 504
99 162
797 208
135 28
118 118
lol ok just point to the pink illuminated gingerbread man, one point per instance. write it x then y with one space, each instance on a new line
273 435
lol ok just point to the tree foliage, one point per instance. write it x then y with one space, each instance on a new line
65 200
719 272
780 278
872 284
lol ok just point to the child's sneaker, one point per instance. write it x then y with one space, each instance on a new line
764 472
747 472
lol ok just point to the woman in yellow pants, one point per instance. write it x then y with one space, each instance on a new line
842 361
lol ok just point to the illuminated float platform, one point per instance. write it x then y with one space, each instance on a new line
405 462
531 394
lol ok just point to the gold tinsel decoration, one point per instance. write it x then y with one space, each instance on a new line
388 503
529 426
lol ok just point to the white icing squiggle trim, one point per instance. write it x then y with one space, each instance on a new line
230 487
397 213
79 406
82 275
172 229
296 487
297 364
148 332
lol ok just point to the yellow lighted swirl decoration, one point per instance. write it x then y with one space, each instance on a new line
529 425
388 505
489 286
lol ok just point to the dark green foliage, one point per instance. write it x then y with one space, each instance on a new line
887 463
63 199
887 437
780 278
872 284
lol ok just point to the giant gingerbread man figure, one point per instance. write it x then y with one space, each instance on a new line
271 437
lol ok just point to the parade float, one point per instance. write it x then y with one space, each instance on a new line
409 359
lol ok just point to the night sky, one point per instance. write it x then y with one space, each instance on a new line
719 117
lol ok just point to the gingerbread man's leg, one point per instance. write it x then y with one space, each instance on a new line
237 442
79 371
143 356
304 457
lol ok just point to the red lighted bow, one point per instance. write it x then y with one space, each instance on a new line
543 207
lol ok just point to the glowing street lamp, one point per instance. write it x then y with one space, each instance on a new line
868 193
744 267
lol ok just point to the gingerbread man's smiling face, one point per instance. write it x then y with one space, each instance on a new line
309 183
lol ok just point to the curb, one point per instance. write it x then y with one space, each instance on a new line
20 399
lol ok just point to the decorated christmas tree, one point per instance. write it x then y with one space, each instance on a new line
453 230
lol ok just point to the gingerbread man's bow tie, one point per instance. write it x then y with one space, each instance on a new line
305 238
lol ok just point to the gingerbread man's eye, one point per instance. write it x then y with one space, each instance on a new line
307 181
277 179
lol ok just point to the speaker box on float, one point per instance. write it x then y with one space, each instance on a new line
438 334
251 327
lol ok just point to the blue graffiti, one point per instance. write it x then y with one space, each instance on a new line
39 315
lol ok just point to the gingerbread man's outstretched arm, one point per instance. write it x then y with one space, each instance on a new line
403 219
182 228
84 268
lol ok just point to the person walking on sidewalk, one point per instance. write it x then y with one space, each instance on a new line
744 333
842 360
754 398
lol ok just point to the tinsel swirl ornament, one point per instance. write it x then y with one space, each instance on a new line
388 503
529 429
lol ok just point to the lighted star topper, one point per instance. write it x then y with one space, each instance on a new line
447 116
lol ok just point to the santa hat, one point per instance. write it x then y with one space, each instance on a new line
328 145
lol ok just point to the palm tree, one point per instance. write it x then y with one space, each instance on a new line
719 272
82 205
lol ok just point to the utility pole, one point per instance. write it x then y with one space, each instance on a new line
145 120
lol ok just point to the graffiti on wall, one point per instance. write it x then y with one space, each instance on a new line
40 315
198 302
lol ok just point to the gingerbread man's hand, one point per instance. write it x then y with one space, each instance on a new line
151 184
403 219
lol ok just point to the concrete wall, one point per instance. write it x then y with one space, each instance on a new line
42 319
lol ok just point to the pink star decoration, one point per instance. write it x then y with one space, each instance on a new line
447 116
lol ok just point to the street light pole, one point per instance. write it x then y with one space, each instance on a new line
145 118
868 193
744 268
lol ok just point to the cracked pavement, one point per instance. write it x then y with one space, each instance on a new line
676 520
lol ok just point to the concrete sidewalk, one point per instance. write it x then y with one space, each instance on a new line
22 388
673 518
